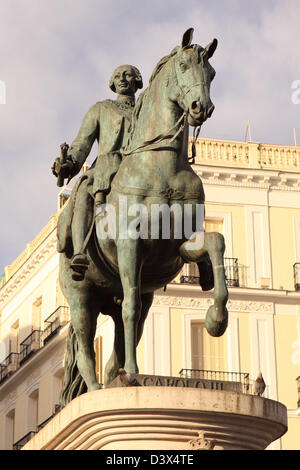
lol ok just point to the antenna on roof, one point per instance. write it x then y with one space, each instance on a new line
248 133
295 139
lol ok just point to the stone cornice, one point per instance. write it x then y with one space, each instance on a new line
240 299
44 252
248 178
203 303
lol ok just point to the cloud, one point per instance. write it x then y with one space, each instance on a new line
57 57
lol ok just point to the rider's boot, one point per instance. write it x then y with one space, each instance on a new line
100 198
80 227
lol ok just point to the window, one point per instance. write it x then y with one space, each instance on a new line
14 337
98 356
60 299
208 353
33 410
211 224
58 378
10 430
36 314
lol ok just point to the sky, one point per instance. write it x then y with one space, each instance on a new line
57 56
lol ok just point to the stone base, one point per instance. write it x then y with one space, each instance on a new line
168 418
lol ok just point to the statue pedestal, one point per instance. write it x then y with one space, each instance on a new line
169 418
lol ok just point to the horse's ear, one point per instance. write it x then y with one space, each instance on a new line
187 38
210 49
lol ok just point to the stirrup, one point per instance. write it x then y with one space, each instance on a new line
80 263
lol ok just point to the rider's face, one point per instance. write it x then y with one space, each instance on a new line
124 81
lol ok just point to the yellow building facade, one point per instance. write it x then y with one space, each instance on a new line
253 198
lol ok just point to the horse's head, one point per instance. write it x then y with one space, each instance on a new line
194 75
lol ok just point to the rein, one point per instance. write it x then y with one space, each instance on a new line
195 137
148 144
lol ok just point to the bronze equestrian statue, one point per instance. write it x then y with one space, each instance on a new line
123 272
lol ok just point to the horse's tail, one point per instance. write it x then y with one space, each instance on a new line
73 384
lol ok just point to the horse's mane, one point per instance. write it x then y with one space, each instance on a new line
146 92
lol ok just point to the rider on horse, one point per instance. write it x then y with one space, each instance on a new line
107 121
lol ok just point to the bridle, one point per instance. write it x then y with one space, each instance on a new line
152 144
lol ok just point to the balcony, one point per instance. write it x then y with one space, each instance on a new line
19 444
30 345
43 424
9 366
35 341
296 268
219 380
231 266
232 272
190 280
56 410
54 322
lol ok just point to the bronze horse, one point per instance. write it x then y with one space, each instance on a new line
125 271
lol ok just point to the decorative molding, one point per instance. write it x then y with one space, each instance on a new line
24 274
10 399
200 443
206 302
36 374
58 359
241 179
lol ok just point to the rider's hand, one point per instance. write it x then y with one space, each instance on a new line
66 169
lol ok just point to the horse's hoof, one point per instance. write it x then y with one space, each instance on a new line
214 327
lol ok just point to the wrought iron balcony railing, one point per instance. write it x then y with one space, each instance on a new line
297 276
54 322
57 408
231 266
9 365
190 280
30 345
232 272
21 442
219 380
43 424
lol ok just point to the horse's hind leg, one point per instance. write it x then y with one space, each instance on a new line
84 320
217 315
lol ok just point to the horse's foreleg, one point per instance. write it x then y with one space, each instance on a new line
84 322
117 357
129 261
147 300
214 246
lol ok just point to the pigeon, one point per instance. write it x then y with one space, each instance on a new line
259 385
127 379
